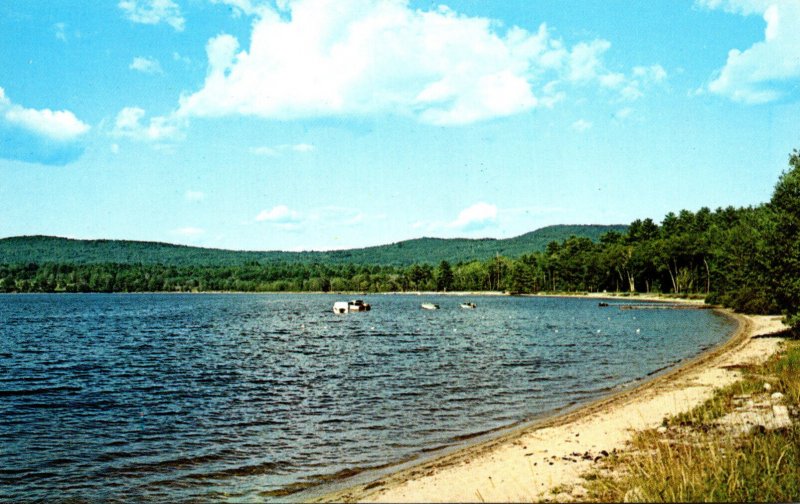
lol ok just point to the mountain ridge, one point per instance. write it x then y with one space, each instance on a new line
50 249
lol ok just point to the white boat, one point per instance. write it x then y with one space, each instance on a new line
355 305
429 306
468 306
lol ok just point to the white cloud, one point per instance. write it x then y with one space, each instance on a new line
358 57
162 128
302 147
743 7
153 12
277 150
478 216
176 56
585 60
623 113
58 125
631 87
280 214
317 220
190 232
194 196
146 65
767 70
653 73
581 125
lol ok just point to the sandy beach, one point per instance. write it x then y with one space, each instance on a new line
545 461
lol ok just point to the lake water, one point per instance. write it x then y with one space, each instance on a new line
168 397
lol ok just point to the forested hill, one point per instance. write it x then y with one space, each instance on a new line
47 249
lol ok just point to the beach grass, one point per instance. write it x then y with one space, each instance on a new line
692 458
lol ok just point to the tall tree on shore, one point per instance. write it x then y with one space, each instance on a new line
783 244
444 277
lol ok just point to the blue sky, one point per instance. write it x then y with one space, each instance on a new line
326 124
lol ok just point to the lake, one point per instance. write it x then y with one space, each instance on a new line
172 397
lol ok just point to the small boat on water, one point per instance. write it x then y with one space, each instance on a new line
602 304
468 306
355 305
429 306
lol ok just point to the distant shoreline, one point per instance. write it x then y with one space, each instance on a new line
649 297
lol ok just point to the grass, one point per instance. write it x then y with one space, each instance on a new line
696 461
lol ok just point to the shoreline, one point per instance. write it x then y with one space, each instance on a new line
543 459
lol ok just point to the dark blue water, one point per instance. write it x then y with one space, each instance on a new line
215 397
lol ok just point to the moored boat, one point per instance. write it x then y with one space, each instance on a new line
355 305
429 306
468 306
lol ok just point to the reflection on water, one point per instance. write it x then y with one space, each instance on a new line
186 397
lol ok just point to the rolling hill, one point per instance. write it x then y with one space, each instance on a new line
48 249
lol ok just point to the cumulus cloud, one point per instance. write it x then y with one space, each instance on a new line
316 220
581 125
623 113
653 73
280 214
128 124
476 217
356 57
153 12
146 65
39 135
277 150
767 70
302 147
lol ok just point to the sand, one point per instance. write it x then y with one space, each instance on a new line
545 461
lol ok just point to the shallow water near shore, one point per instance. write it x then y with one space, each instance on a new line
243 397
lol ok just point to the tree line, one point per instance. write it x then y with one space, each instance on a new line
745 258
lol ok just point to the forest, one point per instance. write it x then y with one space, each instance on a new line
744 258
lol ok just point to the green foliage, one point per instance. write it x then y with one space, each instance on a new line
782 249
46 249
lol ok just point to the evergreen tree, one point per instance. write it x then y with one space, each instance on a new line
783 244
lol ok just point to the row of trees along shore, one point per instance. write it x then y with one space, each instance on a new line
744 258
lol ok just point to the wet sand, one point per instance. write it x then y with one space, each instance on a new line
544 461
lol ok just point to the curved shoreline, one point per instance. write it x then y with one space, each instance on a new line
527 462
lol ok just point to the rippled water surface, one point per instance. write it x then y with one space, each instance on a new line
211 397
